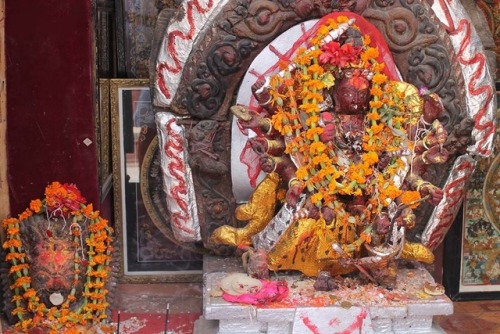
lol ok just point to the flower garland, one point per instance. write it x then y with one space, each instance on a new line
298 93
64 202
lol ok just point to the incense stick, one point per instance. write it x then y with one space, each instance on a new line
118 323
166 317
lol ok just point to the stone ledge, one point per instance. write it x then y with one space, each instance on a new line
406 309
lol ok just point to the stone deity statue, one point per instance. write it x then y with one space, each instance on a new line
348 146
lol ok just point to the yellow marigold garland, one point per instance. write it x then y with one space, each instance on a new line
385 130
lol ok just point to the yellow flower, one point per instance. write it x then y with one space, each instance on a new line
342 19
355 175
323 30
30 293
312 132
310 108
13 230
307 94
376 104
323 158
302 173
313 119
317 148
366 237
13 255
370 158
374 116
316 198
332 23
100 259
26 214
379 67
287 130
391 191
12 243
379 78
303 59
36 205
377 128
369 54
20 281
8 221
18 310
283 64
366 39
314 84
315 69
18 268
408 197
376 91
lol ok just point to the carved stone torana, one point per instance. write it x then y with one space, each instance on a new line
208 158
242 29
208 87
422 51
221 57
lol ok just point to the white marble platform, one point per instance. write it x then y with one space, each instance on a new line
357 309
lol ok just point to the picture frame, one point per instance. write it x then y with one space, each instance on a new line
136 22
474 272
103 136
148 250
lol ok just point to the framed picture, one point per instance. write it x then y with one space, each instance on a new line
474 272
149 252
136 23
104 138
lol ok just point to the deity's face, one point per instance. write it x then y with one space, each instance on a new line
352 95
53 268
51 253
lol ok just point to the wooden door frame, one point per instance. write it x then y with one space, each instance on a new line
4 187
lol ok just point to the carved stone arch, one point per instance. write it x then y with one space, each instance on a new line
422 49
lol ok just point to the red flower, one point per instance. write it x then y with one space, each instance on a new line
340 56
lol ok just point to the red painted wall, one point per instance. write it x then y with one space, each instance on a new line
50 98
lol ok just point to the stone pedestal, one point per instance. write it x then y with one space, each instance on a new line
353 308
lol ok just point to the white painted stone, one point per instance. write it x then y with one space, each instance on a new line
437 308
335 319
241 326
177 178
412 323
409 316
382 325
279 327
204 326
383 312
178 44
275 314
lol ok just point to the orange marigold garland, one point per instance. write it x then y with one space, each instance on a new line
65 201
314 70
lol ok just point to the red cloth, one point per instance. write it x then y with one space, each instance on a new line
271 291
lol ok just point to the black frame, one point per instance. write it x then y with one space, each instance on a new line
138 202
452 260
452 264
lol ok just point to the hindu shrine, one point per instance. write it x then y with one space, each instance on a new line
303 160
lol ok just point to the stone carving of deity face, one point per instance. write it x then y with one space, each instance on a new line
352 94
52 260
